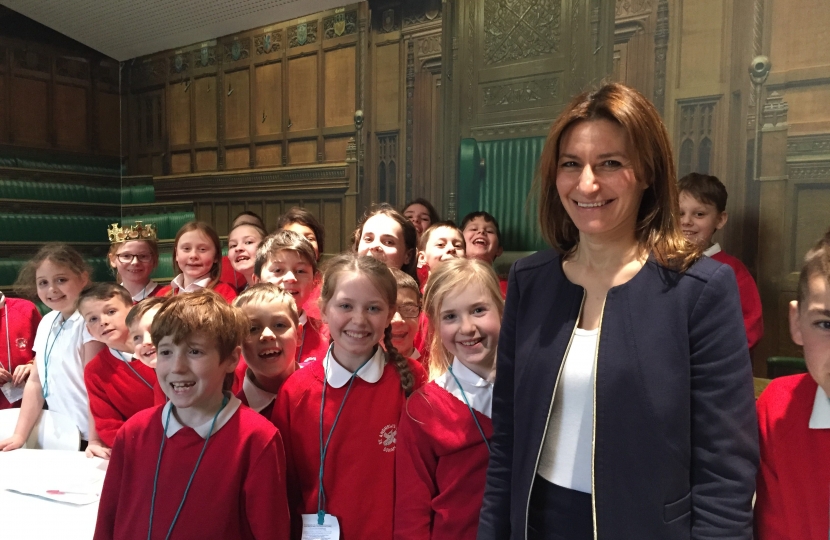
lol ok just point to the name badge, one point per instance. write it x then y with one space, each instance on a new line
312 530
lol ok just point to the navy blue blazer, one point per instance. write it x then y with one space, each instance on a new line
676 436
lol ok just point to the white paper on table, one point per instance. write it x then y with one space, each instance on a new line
78 486
12 393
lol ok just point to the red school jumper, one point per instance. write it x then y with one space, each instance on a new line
750 299
116 393
23 318
793 497
315 342
359 477
238 491
441 467
222 289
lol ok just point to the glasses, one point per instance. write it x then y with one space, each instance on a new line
127 258
409 311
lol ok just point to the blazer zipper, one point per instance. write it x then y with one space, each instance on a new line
594 425
550 409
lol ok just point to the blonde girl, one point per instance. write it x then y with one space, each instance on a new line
197 262
63 345
133 255
243 241
351 401
443 437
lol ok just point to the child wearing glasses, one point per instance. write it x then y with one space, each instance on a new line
133 255
405 320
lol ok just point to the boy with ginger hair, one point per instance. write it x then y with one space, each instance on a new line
201 466
793 495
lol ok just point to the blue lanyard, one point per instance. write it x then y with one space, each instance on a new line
464 395
302 343
45 389
129 365
321 497
192 475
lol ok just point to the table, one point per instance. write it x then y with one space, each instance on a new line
28 517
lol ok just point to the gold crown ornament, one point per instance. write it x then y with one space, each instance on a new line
138 231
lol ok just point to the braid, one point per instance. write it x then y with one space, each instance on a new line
401 363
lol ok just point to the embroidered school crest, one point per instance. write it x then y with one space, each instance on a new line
21 343
388 435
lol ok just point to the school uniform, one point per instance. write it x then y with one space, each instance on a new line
58 355
256 398
442 458
231 277
503 286
238 491
149 291
18 325
119 387
312 305
177 287
423 336
359 474
315 340
748 291
793 497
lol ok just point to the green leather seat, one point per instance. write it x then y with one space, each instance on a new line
779 366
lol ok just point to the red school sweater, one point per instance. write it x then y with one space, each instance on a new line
116 393
750 299
359 476
315 342
222 289
23 318
441 467
793 496
238 491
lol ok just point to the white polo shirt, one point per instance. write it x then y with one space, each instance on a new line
63 375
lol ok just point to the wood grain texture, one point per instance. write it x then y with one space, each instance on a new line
302 152
178 113
205 96
237 105
339 80
29 113
335 148
268 106
180 163
237 158
302 93
71 117
269 155
109 140
206 160
387 86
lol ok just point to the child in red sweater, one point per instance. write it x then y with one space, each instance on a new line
201 466
702 214
793 497
118 385
18 325
441 242
139 320
444 433
287 259
351 400
197 261
270 347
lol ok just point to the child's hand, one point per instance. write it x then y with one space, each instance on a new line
5 376
98 449
12 443
21 374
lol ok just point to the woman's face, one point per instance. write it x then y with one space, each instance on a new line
383 239
596 182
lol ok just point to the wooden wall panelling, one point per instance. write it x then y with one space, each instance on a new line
71 116
30 113
335 148
237 158
302 152
5 110
206 160
269 155
339 80
109 118
302 84
268 99
180 163
237 106
205 92
178 113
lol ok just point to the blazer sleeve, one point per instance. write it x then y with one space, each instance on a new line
494 522
724 424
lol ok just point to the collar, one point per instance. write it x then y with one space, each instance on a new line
416 354
820 419
714 249
303 318
178 285
337 376
2 299
257 398
204 429
145 292
124 357
479 392
75 317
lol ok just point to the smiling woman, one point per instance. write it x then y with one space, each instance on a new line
624 399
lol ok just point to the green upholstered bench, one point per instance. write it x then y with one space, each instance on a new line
779 366
53 228
10 268
58 191
167 224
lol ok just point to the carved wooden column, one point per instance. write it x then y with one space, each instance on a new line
771 235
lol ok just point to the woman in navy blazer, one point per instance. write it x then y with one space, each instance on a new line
670 449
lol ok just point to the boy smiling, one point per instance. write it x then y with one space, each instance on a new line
201 446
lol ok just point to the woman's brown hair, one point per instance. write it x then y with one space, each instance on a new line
657 229
382 278
207 230
60 255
